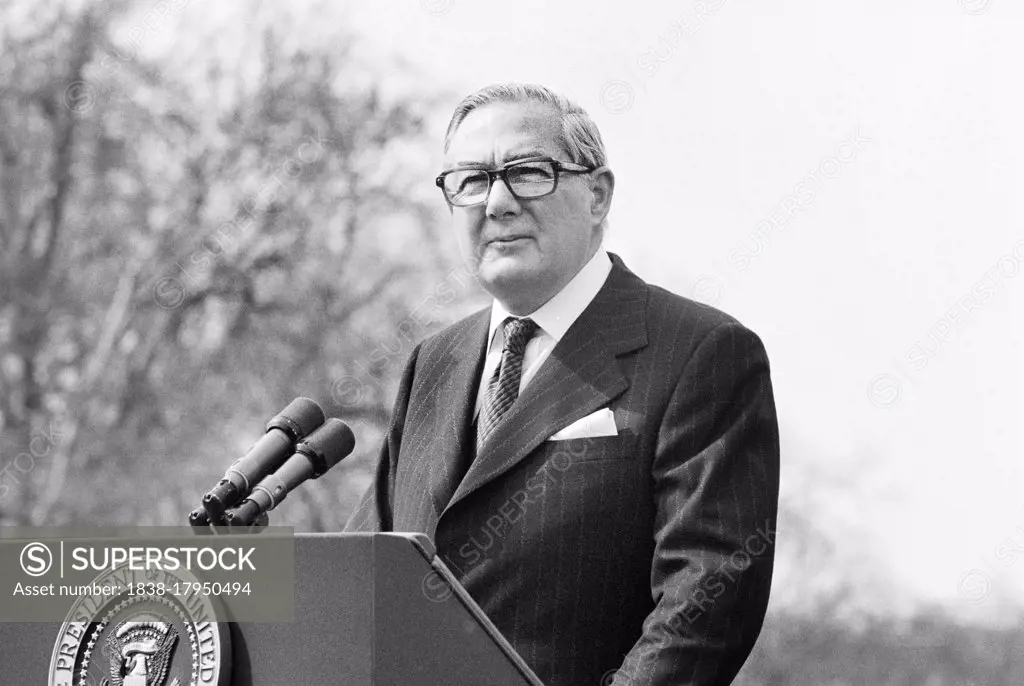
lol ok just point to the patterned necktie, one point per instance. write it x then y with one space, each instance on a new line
503 388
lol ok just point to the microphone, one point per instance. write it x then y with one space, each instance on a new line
200 523
313 456
198 518
300 418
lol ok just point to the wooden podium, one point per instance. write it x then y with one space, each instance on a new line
378 609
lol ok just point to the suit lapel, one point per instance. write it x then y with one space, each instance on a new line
580 376
455 384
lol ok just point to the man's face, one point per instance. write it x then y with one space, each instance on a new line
523 251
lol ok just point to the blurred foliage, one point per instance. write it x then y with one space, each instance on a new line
932 649
175 267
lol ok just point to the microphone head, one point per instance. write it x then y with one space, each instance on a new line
299 419
328 445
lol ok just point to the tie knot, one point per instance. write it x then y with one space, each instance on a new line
518 333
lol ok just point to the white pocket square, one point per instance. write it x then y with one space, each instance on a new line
600 423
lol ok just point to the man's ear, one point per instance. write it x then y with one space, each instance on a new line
603 187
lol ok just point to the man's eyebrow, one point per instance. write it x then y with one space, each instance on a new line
521 155
526 154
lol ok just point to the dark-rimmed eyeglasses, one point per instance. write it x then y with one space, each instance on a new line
525 179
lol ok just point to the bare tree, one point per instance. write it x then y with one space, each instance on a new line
174 268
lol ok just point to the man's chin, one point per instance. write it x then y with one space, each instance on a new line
505 267
507 274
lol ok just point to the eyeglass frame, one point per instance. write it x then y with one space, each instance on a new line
558 167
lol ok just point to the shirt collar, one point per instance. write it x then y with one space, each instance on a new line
556 315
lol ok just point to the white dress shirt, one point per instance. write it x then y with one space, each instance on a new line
553 319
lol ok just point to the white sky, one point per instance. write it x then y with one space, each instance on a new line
749 100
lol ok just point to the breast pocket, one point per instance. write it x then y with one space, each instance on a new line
591 449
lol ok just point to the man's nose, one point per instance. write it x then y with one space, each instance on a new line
501 202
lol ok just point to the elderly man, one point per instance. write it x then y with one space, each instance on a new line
596 458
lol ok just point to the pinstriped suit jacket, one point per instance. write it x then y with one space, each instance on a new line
642 558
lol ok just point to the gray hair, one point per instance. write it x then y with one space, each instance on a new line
580 137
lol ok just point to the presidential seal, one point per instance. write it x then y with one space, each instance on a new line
129 629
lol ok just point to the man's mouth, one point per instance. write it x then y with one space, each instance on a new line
507 240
